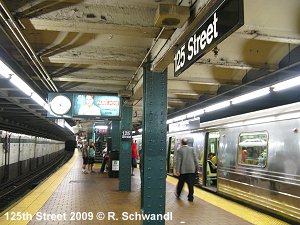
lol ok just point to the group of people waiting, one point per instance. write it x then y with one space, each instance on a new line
88 156
186 164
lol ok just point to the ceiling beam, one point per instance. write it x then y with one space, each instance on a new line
94 28
116 64
93 81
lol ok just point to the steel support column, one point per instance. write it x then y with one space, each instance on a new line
115 150
154 144
125 151
116 135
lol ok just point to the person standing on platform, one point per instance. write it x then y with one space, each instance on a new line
186 167
105 156
85 156
134 157
91 150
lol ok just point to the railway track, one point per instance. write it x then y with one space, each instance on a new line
13 190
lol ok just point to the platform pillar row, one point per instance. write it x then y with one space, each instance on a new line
154 144
125 150
115 148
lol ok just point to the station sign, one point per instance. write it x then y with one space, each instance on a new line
126 135
224 18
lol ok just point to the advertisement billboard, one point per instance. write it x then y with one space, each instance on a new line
89 105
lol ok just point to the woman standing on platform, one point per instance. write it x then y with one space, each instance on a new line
91 151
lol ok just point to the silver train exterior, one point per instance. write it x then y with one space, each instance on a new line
20 153
257 157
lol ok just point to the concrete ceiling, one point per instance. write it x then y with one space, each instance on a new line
98 45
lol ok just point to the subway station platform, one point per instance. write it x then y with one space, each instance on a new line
70 197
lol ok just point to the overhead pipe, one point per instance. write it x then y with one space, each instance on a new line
146 56
49 87
155 40
21 53
36 61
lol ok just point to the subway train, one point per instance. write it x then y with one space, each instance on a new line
20 153
255 157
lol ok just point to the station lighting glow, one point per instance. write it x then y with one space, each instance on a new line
101 127
68 126
140 130
169 121
178 118
217 106
195 113
251 95
6 72
38 99
19 83
286 84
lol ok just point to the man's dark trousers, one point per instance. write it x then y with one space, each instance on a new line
189 178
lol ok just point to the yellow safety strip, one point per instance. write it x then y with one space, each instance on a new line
35 199
234 208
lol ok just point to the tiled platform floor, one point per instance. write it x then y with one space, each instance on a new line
96 193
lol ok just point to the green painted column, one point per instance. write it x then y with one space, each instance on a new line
154 144
116 135
125 151
115 149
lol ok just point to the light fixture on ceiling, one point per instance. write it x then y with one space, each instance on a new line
19 83
286 84
195 113
217 106
179 118
6 72
185 93
251 95
101 127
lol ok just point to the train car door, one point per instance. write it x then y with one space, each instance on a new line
210 159
170 156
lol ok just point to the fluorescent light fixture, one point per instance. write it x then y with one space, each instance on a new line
19 83
103 127
60 122
169 121
195 113
6 72
185 93
178 118
38 99
69 127
217 106
286 84
46 106
251 95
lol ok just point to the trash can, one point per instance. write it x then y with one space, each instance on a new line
113 170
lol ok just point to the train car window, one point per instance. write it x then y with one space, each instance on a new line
253 149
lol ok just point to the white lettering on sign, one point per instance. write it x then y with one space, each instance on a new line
196 44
